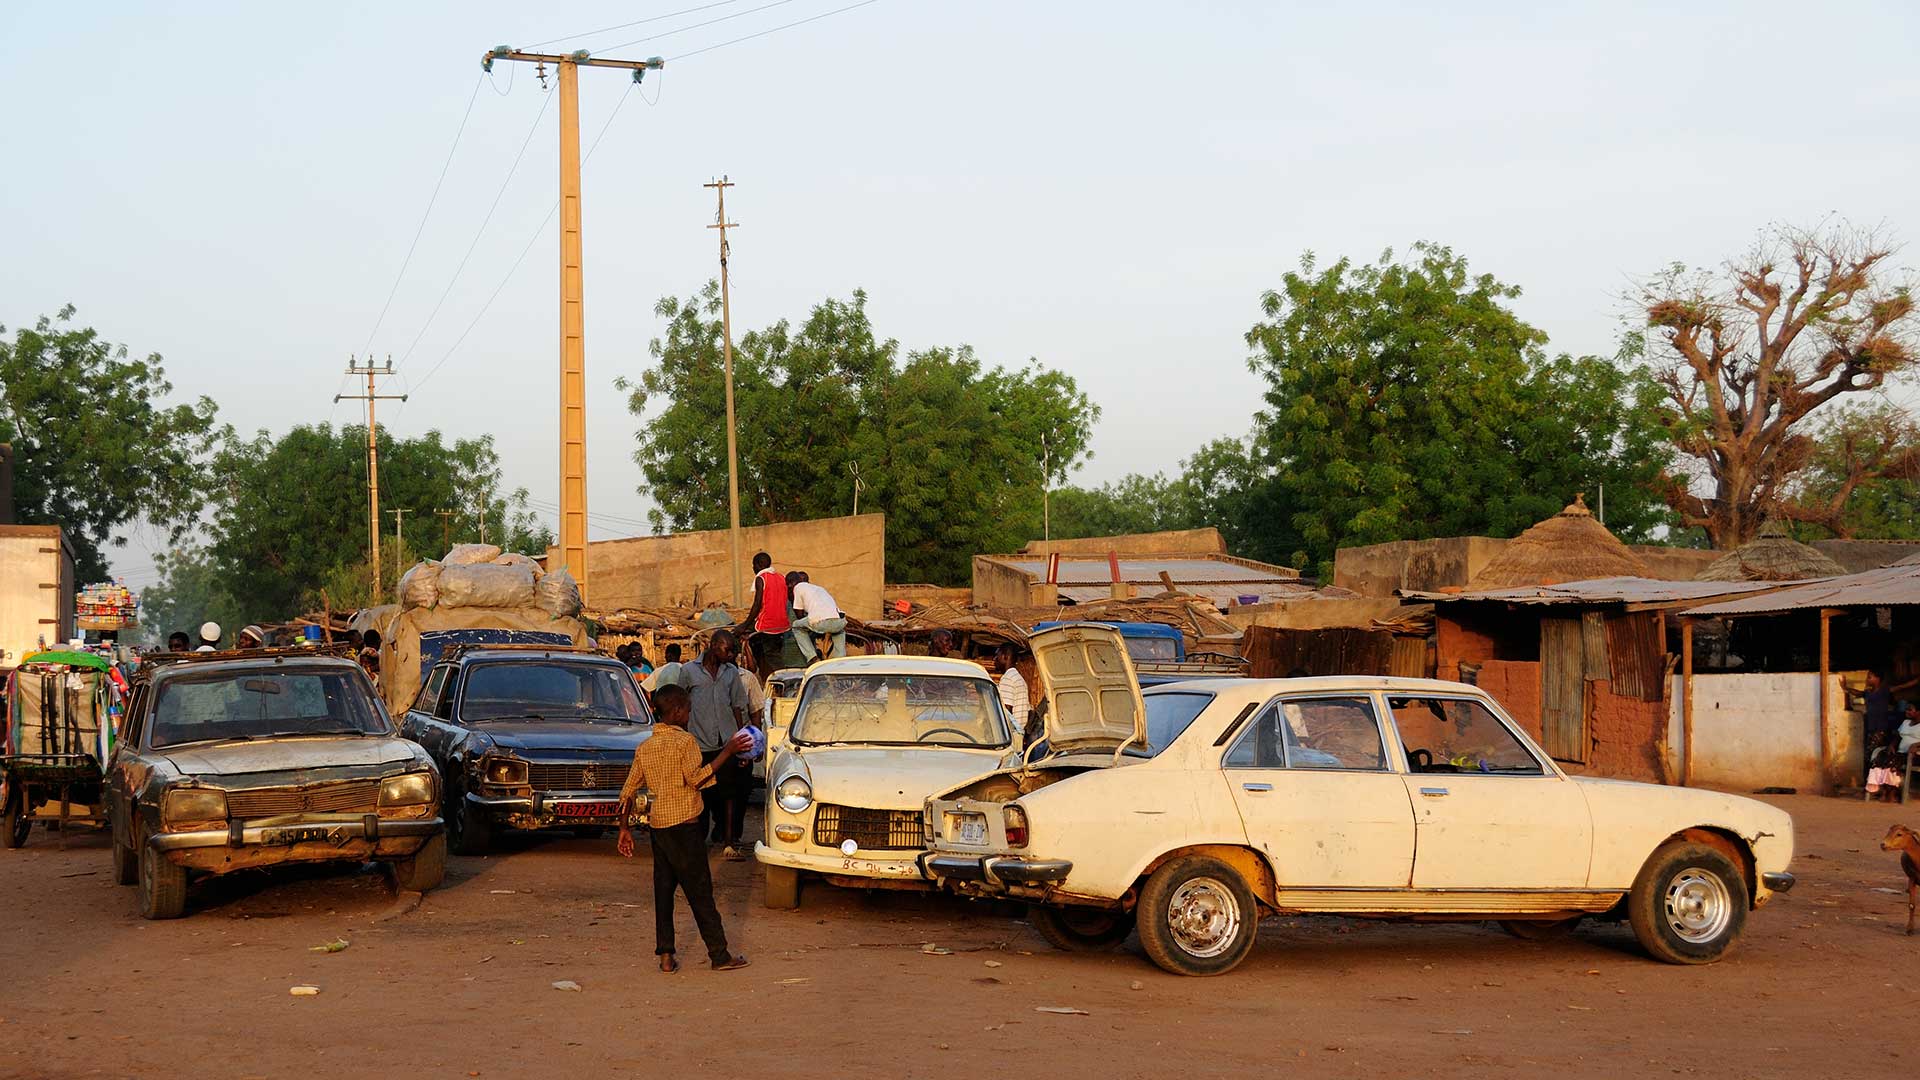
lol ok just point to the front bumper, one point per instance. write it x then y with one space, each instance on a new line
995 870
1777 881
835 864
338 831
540 810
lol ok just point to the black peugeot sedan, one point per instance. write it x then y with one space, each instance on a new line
528 738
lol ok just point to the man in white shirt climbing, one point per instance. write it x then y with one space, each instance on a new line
816 615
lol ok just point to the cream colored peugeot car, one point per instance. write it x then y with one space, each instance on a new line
871 738
1192 810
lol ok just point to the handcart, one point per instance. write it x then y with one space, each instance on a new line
60 723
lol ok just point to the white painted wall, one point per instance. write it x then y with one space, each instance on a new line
1755 731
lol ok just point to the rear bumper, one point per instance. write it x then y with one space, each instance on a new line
364 829
995 870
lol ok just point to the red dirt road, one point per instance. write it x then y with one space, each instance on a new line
462 985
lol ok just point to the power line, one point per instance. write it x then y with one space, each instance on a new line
428 212
776 29
636 22
698 25
531 240
481 231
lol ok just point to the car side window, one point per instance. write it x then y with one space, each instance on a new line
1311 733
130 734
430 692
451 684
1459 735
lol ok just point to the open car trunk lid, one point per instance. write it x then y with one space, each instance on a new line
1093 698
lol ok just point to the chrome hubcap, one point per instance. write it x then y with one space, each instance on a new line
1204 917
1698 906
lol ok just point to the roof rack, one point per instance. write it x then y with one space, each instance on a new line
460 647
280 652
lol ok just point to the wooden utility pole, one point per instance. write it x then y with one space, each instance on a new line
720 222
573 349
399 542
373 456
446 529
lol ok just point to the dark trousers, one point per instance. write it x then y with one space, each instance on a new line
726 798
680 859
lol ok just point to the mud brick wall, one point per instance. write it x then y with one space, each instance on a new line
1625 735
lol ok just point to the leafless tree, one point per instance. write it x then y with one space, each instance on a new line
1742 356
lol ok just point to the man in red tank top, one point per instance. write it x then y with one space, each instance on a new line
768 619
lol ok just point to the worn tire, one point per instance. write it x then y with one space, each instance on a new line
1197 917
163 886
14 823
1081 929
782 891
468 830
1535 930
424 869
1689 904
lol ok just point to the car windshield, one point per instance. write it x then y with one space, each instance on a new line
901 710
211 707
552 690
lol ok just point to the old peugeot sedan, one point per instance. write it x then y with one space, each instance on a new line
1195 808
871 738
237 761
529 737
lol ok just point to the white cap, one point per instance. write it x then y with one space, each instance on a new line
209 631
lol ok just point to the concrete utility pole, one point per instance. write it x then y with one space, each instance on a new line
1046 489
720 222
373 456
399 542
573 349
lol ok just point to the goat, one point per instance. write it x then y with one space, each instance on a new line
1907 842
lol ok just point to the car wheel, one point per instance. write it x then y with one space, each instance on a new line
1197 917
14 822
1537 930
1081 929
126 862
163 886
782 888
424 869
1689 904
468 830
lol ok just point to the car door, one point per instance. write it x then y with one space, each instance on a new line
1310 777
1489 811
424 723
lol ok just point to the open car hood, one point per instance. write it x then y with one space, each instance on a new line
1093 698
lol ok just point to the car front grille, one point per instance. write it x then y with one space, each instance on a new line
577 775
354 796
879 830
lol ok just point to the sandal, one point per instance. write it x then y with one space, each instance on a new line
734 963
668 965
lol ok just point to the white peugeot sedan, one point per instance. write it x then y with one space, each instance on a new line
871 738
1192 810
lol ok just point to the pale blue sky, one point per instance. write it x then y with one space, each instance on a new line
1107 187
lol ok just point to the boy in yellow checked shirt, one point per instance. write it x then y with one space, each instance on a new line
668 765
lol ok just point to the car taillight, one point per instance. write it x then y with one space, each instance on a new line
1016 824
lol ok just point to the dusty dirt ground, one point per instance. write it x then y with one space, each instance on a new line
461 986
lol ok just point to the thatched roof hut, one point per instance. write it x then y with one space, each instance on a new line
1569 546
1774 555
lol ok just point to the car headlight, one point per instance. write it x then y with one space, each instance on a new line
504 770
194 804
794 794
408 789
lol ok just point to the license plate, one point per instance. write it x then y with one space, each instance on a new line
973 828
585 809
302 834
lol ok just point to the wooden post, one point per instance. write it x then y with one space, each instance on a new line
1686 702
1820 726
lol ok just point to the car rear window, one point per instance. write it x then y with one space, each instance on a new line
1169 715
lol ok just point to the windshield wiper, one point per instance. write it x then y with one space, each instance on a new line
503 716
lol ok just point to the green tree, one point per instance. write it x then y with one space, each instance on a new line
189 592
1863 476
94 444
950 449
1405 399
289 512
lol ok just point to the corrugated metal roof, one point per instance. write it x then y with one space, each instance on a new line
1144 571
1613 590
1889 586
1222 595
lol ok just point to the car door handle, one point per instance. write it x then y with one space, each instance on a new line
1257 787
1434 792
